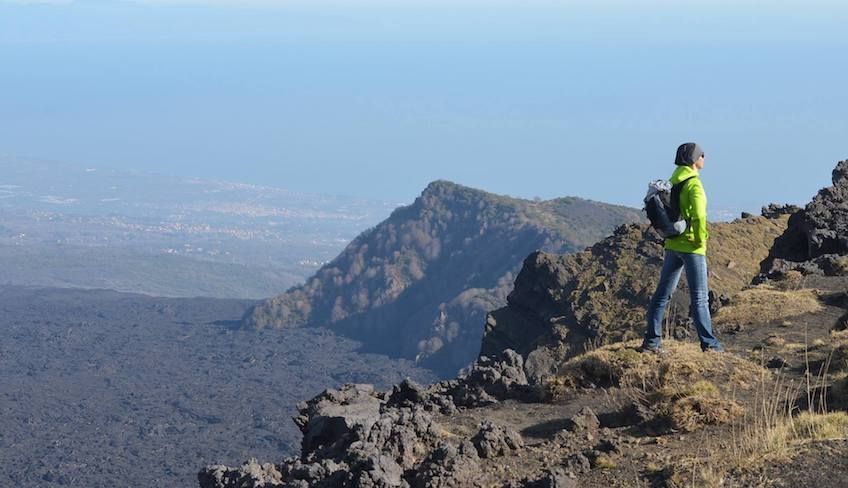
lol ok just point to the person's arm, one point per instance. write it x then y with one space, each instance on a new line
698 211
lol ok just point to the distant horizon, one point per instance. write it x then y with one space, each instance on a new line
716 214
375 99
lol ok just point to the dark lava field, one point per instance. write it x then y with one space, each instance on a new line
100 388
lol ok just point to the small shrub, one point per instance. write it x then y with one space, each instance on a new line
690 407
693 413
840 266
605 461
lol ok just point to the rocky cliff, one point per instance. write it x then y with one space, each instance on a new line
419 284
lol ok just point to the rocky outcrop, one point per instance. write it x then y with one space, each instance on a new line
817 236
563 303
357 437
250 473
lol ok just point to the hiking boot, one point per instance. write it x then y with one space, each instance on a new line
714 350
652 350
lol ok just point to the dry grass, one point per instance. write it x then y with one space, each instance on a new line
737 248
839 335
841 266
771 428
692 413
766 303
792 280
684 365
777 443
796 347
805 427
680 386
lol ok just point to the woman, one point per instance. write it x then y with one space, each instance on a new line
687 251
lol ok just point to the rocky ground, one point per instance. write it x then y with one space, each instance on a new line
578 405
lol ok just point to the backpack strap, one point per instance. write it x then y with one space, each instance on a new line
674 199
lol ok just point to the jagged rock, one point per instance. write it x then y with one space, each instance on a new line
368 451
326 471
250 475
492 379
717 301
405 434
773 210
827 265
578 464
493 440
540 363
407 394
449 466
776 362
820 229
584 420
553 478
335 418
434 398
377 471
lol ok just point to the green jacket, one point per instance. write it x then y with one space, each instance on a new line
693 208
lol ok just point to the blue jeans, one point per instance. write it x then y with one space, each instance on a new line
696 277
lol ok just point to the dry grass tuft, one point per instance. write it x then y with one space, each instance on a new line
684 365
792 280
839 335
692 413
605 461
840 266
807 427
795 347
680 386
765 303
774 340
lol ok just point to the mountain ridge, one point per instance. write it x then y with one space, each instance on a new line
418 284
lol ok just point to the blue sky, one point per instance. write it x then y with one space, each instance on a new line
376 99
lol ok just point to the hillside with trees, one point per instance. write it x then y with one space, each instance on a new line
419 284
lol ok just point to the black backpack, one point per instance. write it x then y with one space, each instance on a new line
662 204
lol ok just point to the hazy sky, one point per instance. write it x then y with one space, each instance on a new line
532 98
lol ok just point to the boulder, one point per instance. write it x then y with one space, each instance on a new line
249 475
494 440
449 466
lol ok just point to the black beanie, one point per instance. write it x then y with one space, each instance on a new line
687 154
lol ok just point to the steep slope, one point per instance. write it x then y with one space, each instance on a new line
419 284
